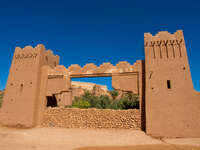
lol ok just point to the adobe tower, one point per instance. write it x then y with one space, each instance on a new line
172 105
25 94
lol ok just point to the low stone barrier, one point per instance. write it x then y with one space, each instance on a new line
92 118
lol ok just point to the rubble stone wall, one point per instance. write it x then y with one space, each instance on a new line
92 118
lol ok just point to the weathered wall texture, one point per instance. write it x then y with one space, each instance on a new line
58 80
172 105
126 83
105 69
59 84
92 118
25 87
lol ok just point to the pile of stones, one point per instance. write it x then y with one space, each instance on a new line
92 118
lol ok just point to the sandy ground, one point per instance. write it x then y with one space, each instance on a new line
143 147
87 139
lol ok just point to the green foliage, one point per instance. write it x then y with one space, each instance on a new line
80 104
116 104
67 106
104 101
114 94
89 100
130 101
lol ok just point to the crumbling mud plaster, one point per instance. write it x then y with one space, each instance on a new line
172 104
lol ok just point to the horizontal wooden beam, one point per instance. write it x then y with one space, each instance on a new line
101 74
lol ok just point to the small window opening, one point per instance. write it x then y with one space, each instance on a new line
21 87
168 84
55 64
51 101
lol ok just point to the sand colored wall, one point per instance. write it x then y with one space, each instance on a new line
25 86
92 118
58 80
59 84
64 98
105 69
126 83
170 111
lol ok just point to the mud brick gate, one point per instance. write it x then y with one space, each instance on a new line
169 105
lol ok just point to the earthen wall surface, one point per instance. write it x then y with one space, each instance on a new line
92 118
172 105
58 80
26 86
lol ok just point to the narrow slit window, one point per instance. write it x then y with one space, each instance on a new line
21 87
168 84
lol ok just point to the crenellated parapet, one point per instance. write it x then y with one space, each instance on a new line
28 51
165 45
51 59
58 72
105 68
30 55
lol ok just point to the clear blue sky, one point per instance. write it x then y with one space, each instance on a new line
85 31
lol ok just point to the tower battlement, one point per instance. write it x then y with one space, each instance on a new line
165 45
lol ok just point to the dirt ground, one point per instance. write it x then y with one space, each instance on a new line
87 139
143 147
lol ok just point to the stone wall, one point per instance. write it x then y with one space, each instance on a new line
92 118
